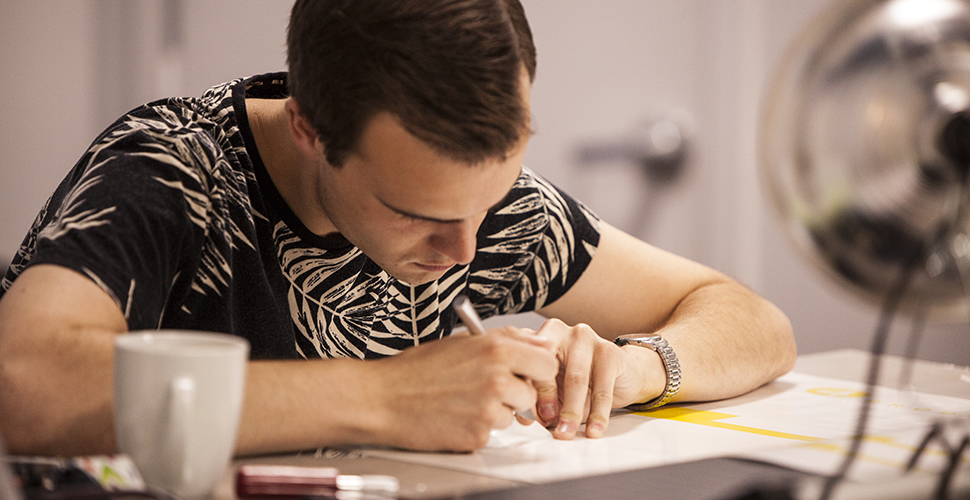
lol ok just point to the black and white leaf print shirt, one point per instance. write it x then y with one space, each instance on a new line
172 213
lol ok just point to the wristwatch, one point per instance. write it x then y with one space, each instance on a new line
657 344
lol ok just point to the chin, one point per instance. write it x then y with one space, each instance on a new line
419 280
416 278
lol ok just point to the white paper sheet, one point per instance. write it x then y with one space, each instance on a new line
793 410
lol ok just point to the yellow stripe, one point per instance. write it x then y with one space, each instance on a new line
710 419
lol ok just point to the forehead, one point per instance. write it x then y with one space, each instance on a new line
409 176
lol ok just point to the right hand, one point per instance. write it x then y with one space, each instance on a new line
449 394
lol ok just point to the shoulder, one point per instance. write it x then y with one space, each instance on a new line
531 248
194 136
536 205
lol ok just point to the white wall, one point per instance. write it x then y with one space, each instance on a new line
67 68
45 104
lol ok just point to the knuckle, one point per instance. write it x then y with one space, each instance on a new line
570 415
587 332
607 351
554 324
602 399
575 377
605 348
495 384
494 347
507 330
598 418
546 390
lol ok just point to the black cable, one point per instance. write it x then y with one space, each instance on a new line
912 346
953 463
935 431
887 313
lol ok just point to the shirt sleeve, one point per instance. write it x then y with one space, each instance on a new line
532 248
130 216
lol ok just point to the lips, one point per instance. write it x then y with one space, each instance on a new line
435 268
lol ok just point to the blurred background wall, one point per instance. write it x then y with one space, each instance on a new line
68 68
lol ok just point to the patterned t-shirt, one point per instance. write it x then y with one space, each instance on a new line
172 213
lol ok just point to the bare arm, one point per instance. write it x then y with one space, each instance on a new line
57 330
445 395
728 340
56 348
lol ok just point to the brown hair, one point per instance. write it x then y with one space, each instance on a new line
448 69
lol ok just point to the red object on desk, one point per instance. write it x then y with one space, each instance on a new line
285 481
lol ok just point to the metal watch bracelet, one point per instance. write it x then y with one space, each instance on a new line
659 345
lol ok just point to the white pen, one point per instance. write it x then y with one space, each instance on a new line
473 322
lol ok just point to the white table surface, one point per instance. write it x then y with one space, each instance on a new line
422 481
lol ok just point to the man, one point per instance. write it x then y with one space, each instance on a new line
336 212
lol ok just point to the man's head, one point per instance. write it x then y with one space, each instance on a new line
450 70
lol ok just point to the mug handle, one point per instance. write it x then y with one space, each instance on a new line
181 401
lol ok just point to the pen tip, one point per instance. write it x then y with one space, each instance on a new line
368 483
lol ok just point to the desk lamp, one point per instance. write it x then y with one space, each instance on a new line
865 147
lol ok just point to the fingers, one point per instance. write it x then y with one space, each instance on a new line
518 364
602 383
524 419
547 401
534 368
584 390
575 387
529 357
525 335
450 393
518 399
520 395
503 418
540 372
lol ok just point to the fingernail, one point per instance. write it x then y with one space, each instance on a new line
594 430
566 427
547 411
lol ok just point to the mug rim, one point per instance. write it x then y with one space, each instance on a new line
149 341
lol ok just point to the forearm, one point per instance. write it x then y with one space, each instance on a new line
443 395
729 341
69 411
294 405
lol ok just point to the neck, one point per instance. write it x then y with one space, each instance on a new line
293 174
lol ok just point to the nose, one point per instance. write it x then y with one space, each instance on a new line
457 240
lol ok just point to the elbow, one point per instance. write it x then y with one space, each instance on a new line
22 431
785 351
32 422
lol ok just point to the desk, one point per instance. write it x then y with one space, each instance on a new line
709 478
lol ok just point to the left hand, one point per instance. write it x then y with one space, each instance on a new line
595 376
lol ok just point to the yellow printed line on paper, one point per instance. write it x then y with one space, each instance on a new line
711 419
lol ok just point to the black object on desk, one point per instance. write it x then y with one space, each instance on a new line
711 479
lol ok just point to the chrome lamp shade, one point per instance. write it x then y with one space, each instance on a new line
865 147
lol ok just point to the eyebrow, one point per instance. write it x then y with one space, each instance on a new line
418 216
444 221
434 219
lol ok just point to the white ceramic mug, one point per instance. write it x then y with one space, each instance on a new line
178 395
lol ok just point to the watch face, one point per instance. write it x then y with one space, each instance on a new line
648 341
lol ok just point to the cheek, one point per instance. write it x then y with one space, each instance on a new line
409 238
389 233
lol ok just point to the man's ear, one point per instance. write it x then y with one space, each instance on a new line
303 133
